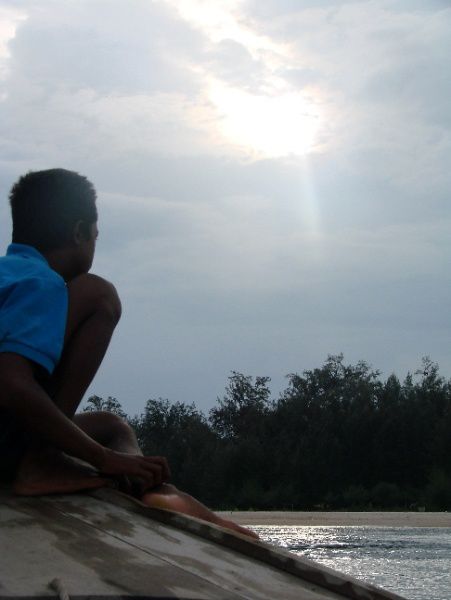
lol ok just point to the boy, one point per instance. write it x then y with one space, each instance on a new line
56 322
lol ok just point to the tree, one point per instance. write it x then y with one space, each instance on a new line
96 403
325 419
181 433
243 407
337 436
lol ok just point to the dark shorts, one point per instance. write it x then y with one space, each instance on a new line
14 442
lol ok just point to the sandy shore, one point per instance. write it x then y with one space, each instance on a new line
374 519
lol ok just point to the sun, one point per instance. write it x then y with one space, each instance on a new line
270 125
275 121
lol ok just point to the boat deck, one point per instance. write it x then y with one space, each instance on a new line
105 545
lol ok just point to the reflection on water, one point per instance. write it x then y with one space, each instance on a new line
413 562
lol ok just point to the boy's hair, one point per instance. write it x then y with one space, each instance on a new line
46 205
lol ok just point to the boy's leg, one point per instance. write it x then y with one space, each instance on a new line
46 470
93 312
120 436
169 497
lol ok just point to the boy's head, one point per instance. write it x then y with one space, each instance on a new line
49 206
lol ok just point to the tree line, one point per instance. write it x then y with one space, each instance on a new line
338 437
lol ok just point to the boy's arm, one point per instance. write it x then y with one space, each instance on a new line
20 393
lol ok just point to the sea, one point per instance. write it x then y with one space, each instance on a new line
412 562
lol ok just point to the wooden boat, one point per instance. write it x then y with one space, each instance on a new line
104 545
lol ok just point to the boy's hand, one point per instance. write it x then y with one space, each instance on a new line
151 470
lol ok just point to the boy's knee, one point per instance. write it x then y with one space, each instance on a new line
95 294
114 424
107 428
108 298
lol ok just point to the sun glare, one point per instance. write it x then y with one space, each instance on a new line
220 20
273 123
9 20
268 125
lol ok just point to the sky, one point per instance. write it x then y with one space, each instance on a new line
273 178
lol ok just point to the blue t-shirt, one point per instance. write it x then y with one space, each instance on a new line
33 306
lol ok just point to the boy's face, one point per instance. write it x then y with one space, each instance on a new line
86 249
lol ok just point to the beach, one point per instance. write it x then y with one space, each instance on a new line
331 519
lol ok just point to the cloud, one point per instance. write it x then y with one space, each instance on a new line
224 259
273 8
10 18
105 47
74 71
382 77
233 63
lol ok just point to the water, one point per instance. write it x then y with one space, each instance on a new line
413 562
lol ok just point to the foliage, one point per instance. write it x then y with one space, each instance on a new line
95 403
337 437
241 411
181 433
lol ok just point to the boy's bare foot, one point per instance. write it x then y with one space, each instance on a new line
48 471
235 527
170 498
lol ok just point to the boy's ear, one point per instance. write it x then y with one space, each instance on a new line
80 233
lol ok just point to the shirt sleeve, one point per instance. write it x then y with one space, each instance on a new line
33 320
